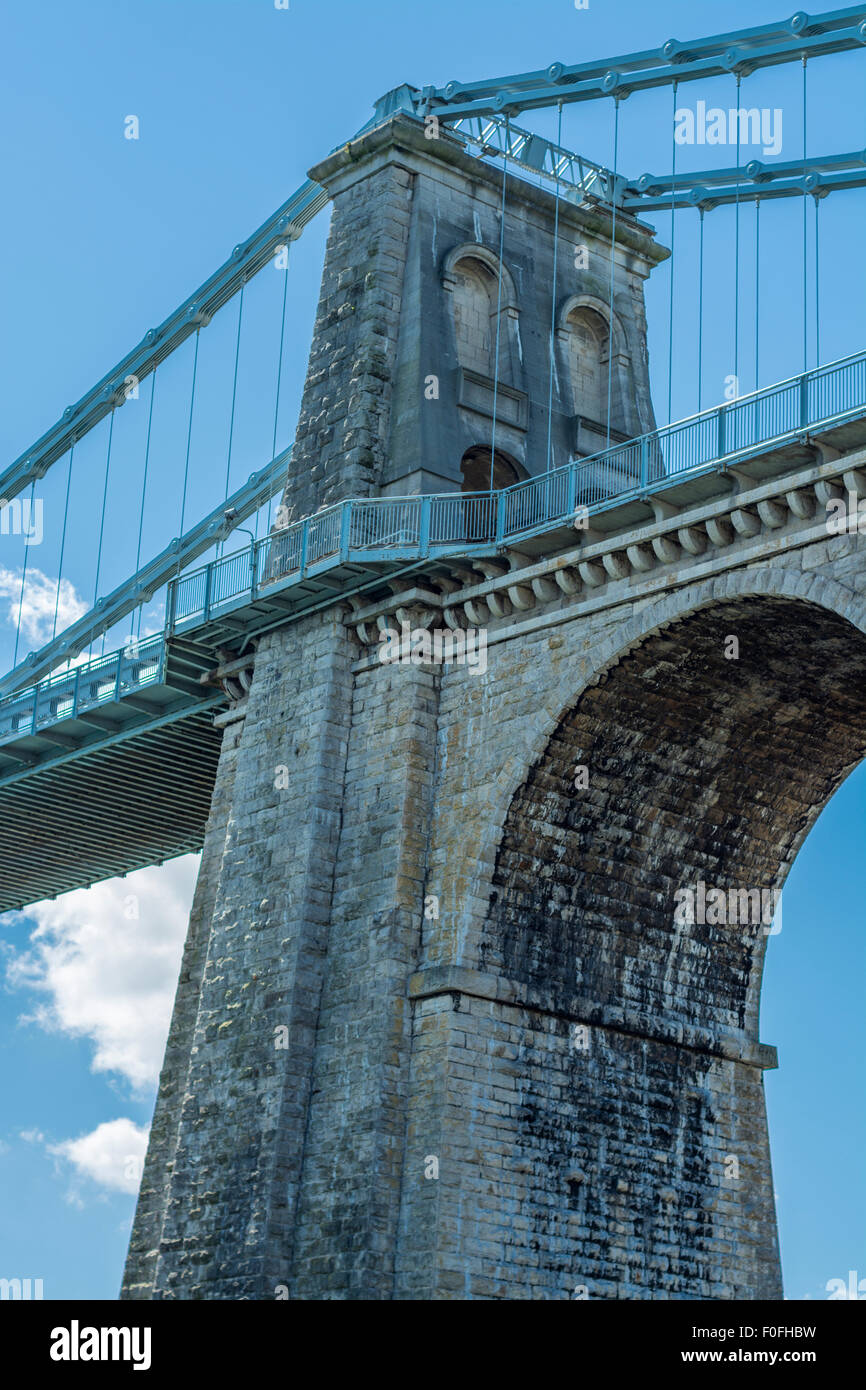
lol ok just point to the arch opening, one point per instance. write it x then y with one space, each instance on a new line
700 769
475 473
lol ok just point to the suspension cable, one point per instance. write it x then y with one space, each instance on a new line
737 255
188 440
553 297
102 520
757 288
612 255
63 539
673 258
280 359
817 284
499 295
234 398
23 573
701 311
144 493
279 374
805 235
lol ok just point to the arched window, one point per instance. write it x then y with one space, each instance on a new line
475 520
587 351
475 470
474 307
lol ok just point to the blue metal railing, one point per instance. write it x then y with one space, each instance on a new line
382 528
388 528
86 687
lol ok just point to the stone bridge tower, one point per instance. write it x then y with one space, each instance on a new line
439 1032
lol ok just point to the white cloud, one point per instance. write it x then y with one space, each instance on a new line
105 961
111 1156
40 597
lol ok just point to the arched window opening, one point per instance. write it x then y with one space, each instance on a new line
477 515
587 350
475 470
474 306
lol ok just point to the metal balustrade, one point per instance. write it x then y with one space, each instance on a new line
85 687
388 527
385 528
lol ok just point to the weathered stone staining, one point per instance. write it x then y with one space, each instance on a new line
440 1032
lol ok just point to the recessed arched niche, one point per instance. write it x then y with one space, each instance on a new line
475 474
587 352
482 294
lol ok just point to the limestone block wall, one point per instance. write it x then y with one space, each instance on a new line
507 1071
403 206
341 439
563 1173
140 1272
227 1210
346 1233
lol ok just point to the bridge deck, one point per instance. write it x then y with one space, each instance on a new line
133 800
89 758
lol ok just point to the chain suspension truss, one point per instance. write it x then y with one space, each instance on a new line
582 180
462 106
286 224
474 113
741 51
712 188
159 343
491 137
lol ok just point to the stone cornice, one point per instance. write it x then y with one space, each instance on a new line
755 520
401 139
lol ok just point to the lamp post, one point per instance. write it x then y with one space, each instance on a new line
229 516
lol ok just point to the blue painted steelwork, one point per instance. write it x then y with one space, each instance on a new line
408 532
713 187
741 51
84 688
491 137
259 488
379 529
116 790
246 259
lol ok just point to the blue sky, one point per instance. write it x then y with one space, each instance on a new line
103 236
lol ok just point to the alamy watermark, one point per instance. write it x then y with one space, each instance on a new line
846 517
731 907
21 517
439 645
738 125
21 1289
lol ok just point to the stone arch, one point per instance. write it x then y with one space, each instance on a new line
625 637
471 277
592 304
475 469
730 761
701 770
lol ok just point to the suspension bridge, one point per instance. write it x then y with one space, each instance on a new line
90 745
472 956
